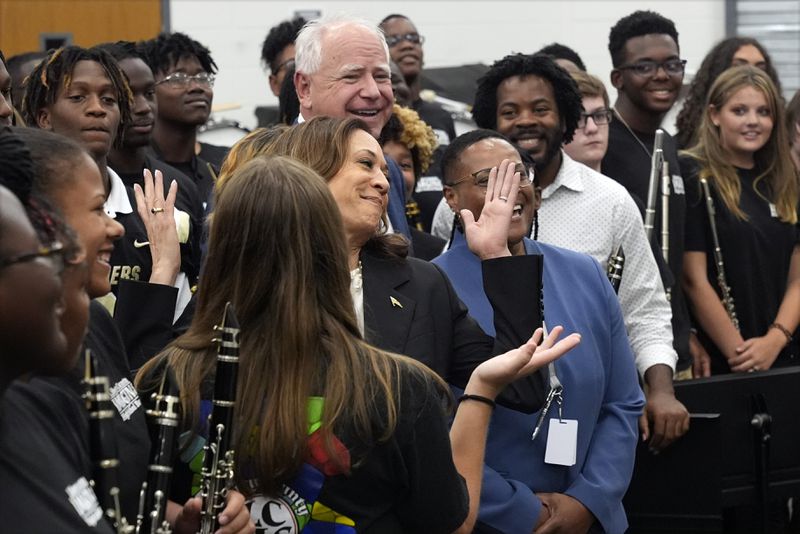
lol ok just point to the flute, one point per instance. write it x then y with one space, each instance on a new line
164 416
656 162
665 180
725 290
102 447
219 460
616 262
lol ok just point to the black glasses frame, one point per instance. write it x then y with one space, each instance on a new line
481 178
53 252
601 117
646 68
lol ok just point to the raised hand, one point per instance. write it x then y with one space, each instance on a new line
488 236
158 214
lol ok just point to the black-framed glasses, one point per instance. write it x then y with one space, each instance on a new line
481 177
53 254
181 79
394 40
285 65
600 117
672 67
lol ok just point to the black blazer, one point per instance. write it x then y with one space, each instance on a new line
411 308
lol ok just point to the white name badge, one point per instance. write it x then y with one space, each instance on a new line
677 184
773 210
562 442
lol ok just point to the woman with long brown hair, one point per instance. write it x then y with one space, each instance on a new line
327 428
743 155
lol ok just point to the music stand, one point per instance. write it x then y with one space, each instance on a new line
757 446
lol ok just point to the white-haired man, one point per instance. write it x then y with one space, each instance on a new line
342 70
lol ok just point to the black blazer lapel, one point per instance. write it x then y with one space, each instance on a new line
388 313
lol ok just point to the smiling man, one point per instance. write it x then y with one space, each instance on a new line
648 73
342 70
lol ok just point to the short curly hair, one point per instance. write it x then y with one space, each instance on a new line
720 58
560 51
637 24
278 38
568 98
407 128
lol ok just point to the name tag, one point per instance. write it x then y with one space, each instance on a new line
773 211
125 399
562 442
677 185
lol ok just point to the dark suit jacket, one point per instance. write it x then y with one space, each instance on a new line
410 308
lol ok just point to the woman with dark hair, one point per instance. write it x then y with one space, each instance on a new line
743 154
730 52
328 429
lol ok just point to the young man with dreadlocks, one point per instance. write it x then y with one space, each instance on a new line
84 95
184 84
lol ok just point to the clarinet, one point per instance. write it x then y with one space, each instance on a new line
727 297
616 262
218 463
665 180
164 416
102 447
656 162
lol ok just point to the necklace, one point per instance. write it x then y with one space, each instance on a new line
630 131
357 277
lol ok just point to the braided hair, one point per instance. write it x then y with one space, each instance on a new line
17 173
47 79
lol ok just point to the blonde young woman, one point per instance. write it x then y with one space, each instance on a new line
743 153
328 428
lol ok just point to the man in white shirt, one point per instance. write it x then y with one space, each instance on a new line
536 104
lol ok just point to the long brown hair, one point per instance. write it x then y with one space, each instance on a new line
277 252
323 143
773 160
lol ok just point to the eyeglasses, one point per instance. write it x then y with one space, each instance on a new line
285 65
672 67
52 254
181 79
394 40
600 117
481 177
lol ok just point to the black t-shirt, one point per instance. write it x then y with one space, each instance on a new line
44 472
627 162
130 428
214 154
756 254
407 484
199 170
131 259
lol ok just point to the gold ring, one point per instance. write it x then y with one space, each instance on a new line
156 210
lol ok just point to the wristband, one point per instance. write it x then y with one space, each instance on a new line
478 398
782 329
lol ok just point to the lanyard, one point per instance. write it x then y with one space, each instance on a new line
555 393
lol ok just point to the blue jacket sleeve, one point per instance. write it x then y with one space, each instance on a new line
608 468
507 506
397 199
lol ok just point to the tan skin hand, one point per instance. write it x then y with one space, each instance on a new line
235 519
162 233
701 361
565 515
